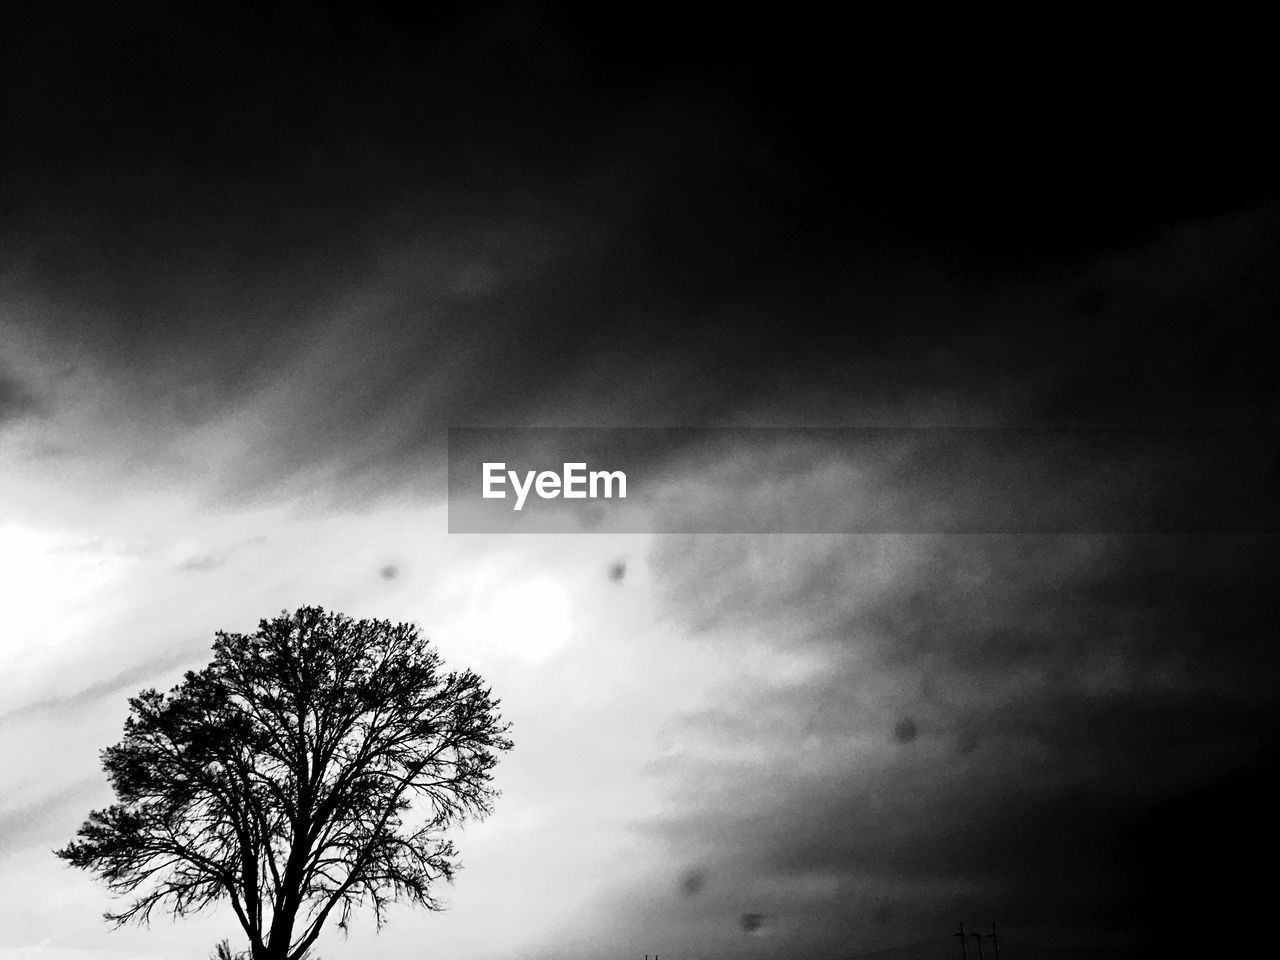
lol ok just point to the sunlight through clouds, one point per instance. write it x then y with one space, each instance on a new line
531 619
48 585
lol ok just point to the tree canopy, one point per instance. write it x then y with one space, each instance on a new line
312 768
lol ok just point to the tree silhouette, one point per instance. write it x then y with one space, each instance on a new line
311 767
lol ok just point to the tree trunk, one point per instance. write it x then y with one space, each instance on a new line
277 947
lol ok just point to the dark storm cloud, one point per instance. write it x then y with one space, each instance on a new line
347 231
382 363
1061 693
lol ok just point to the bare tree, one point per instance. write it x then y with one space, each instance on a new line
311 768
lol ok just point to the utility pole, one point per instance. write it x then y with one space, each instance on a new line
995 940
964 950
978 938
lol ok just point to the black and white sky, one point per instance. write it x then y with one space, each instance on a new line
256 259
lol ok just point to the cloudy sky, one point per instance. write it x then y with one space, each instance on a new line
255 263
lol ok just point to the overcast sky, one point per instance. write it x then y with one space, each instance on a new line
254 264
